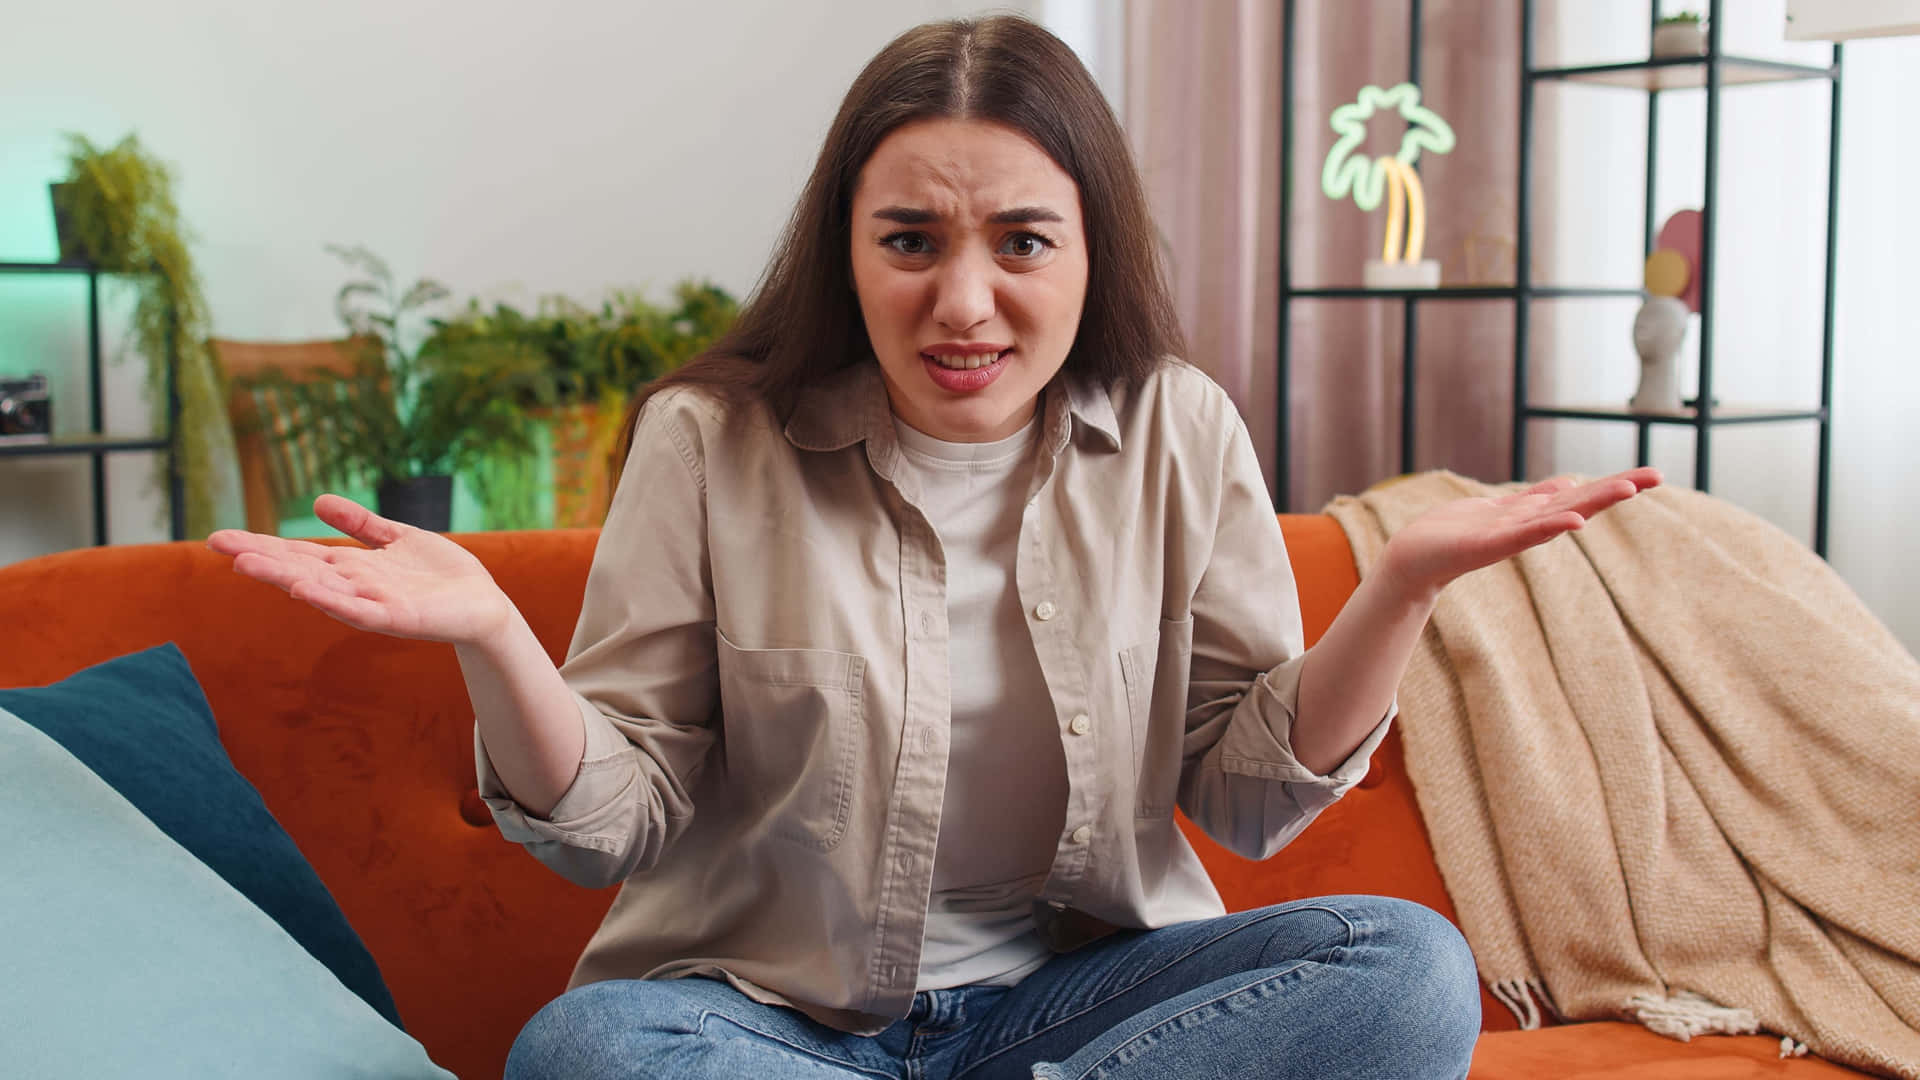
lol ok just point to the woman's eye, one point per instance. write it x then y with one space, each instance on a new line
1025 245
909 243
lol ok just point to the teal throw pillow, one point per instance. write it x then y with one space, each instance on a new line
141 722
125 956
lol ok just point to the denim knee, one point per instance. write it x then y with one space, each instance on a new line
1434 971
585 1031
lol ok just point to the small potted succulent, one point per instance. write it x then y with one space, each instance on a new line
1680 35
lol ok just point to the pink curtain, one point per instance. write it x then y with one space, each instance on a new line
1202 107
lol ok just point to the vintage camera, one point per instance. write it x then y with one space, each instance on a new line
26 413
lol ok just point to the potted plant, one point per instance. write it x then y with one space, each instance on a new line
1679 35
116 211
407 418
590 361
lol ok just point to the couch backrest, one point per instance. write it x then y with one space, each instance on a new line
362 748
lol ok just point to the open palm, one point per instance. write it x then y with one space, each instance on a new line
1458 537
406 582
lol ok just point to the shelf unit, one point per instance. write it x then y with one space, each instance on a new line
1713 72
92 443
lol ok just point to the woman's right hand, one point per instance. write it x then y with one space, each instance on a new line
406 582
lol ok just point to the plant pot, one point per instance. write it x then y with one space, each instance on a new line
1674 40
1424 274
63 231
582 434
425 502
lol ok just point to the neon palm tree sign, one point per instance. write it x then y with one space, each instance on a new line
1400 264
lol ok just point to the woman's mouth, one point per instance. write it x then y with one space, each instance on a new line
963 373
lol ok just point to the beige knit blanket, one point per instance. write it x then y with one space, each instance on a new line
1671 769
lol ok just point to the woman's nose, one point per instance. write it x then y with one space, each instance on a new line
965 292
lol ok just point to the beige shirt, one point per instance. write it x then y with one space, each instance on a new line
761 666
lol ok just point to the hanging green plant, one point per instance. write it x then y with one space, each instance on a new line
118 203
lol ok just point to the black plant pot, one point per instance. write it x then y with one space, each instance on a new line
63 231
425 502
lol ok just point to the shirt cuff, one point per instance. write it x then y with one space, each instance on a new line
591 813
1272 757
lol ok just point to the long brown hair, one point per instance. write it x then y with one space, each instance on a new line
803 322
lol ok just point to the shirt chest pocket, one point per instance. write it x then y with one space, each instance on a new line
792 723
1156 673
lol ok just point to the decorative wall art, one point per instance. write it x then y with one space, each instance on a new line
1401 264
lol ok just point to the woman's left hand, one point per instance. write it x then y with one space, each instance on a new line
1465 535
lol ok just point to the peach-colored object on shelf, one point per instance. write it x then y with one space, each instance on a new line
1667 273
1682 233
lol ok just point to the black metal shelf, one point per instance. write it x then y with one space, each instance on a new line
94 444
1714 71
58 445
1679 418
47 268
1461 292
1684 73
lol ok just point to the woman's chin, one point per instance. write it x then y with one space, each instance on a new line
978 420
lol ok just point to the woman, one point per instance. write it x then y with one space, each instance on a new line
923 601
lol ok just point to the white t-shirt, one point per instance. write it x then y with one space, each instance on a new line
1006 773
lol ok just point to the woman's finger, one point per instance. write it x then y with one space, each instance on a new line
1553 486
286 571
356 611
236 541
357 521
1589 499
1533 531
1643 477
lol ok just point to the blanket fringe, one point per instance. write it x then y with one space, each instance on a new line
1687 1014
1523 998
1789 1048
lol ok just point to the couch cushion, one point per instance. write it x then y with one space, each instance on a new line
126 956
141 723
1621 1051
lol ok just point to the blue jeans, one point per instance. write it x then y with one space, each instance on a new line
1341 986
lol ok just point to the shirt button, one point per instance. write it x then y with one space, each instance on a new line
926 623
1044 610
1082 834
1080 725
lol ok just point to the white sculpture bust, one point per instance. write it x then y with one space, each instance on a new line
1658 332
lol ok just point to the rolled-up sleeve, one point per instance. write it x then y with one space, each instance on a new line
592 813
641 666
1241 781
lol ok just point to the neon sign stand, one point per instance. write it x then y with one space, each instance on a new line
1400 265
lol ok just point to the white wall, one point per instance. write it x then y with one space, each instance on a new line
1771 208
507 149
1096 31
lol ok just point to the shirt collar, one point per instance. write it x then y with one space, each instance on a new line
850 406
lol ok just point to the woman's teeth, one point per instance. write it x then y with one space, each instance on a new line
964 363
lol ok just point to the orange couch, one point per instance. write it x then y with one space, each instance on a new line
362 747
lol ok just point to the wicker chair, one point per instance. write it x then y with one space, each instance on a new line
278 473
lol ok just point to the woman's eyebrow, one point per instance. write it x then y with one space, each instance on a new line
1023 215
1019 215
906 215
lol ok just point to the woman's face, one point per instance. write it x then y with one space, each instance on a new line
970 262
